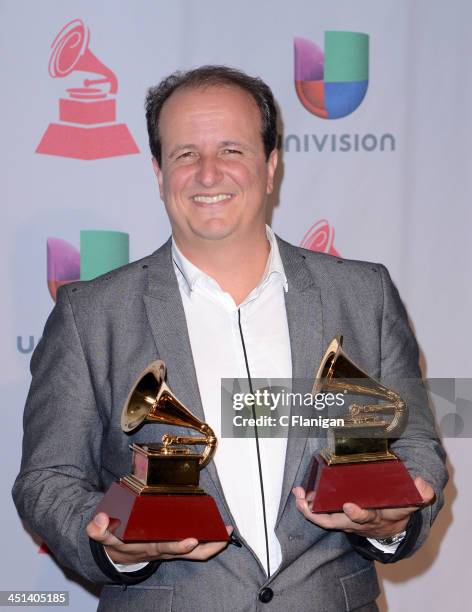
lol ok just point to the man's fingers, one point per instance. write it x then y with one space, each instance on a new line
191 549
172 549
336 520
301 502
424 489
204 551
354 519
298 492
359 515
427 494
97 530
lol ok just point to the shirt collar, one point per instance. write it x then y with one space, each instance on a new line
190 276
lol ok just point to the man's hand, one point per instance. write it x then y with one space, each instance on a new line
140 552
368 523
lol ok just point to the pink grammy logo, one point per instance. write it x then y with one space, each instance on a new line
87 128
320 238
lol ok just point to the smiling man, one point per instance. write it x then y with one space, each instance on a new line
214 176
223 298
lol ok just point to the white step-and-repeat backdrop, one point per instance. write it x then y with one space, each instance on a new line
377 168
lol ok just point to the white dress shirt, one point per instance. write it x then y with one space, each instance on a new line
217 350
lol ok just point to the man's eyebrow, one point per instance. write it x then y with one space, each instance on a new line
180 147
223 143
234 143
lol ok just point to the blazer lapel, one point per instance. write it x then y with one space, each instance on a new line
168 325
305 323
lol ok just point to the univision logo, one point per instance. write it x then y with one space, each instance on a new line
332 84
100 252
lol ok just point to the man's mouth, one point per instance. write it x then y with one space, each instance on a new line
212 199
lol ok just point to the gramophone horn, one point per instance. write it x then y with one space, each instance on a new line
67 47
151 401
70 51
337 372
143 396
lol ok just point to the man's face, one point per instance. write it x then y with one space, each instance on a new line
213 176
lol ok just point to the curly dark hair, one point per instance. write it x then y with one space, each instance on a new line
206 76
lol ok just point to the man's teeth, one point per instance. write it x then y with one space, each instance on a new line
211 199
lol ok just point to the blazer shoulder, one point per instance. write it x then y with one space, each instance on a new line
115 285
330 266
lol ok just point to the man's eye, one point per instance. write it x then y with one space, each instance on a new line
232 151
186 155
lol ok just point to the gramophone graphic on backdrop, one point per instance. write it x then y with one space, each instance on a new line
87 127
320 238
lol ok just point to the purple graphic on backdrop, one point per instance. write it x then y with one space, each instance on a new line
63 261
309 64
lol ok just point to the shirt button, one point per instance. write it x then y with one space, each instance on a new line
266 594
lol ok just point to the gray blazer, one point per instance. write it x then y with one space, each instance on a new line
98 338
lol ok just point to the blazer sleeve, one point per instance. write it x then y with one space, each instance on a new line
58 487
418 446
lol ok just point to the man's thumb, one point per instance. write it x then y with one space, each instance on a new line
97 529
425 490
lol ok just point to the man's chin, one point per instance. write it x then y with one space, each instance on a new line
214 232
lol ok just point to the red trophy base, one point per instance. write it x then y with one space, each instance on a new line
161 518
378 484
87 142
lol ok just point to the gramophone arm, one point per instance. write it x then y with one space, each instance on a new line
396 405
400 416
89 62
209 440
358 412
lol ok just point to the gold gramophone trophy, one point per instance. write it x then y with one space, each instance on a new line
357 465
161 499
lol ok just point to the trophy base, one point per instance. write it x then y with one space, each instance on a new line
87 142
383 484
161 518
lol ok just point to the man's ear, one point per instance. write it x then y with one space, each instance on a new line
271 167
158 173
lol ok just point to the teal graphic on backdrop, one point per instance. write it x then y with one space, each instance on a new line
100 252
334 83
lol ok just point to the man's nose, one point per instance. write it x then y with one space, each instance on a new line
209 171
